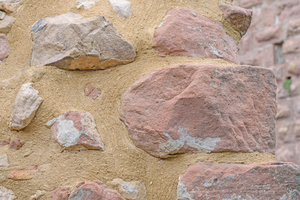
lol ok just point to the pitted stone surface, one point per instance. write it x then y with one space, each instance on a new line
239 18
27 103
184 32
134 190
94 190
72 42
202 108
4 47
274 180
76 130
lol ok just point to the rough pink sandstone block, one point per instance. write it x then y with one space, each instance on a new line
274 181
92 92
76 131
95 190
240 18
202 108
185 32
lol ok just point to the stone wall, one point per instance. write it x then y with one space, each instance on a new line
273 41
135 100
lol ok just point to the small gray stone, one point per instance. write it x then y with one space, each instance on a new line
6 23
86 4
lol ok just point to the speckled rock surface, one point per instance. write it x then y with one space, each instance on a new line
185 32
274 180
57 42
26 105
202 108
94 190
239 18
76 131
4 47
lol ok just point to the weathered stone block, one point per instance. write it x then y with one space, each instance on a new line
60 194
273 180
71 42
293 28
6 24
121 7
269 35
248 3
202 108
94 190
291 49
185 32
27 103
288 9
268 15
76 130
239 18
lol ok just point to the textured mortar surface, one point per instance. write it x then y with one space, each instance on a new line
64 90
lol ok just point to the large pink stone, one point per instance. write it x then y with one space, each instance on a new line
76 130
95 190
202 108
274 180
185 32
4 47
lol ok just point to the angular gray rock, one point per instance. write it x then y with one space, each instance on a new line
3 163
27 103
6 24
6 194
134 190
86 4
121 7
72 42
76 131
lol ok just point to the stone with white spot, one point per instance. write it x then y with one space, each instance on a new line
121 7
273 180
134 190
38 195
4 162
185 32
26 105
76 131
202 108
86 4
6 194
73 42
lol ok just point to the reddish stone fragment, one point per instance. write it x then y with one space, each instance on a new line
185 32
18 175
4 142
269 35
95 190
273 180
60 194
293 28
288 9
240 18
289 152
4 47
76 130
16 144
92 92
202 108
268 15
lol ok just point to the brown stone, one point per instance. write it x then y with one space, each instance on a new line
18 175
60 194
16 144
6 6
95 190
202 108
4 47
273 180
185 32
76 131
291 49
92 92
239 18
58 42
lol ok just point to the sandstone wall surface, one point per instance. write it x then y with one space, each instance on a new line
42 167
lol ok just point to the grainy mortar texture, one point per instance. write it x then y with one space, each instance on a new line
63 91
